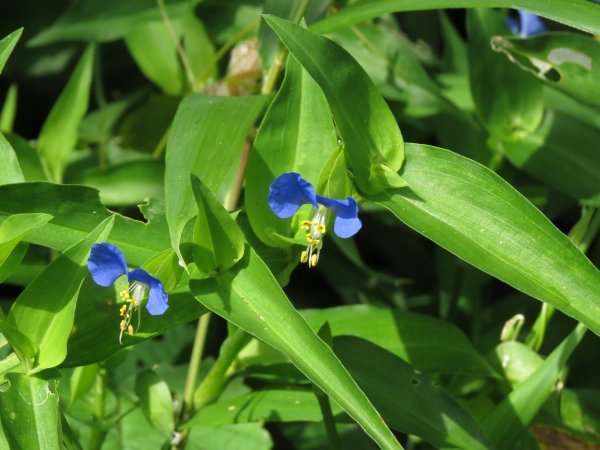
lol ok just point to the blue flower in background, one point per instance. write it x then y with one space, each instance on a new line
290 191
527 25
106 263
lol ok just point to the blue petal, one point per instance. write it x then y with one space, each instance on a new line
346 222
106 263
530 24
513 24
288 192
157 298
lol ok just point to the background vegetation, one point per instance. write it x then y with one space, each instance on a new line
455 318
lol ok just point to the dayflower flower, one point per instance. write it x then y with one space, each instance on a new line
106 263
528 24
290 191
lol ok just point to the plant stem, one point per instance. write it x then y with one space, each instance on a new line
215 381
328 420
98 435
180 51
192 375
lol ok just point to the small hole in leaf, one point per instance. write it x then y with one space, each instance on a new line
415 381
553 75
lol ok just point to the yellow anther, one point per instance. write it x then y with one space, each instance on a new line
306 224
124 294
123 311
314 260
123 325
130 330
304 257
321 228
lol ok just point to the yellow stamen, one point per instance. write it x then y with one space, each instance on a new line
304 257
316 229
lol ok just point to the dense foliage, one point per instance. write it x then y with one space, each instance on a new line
215 234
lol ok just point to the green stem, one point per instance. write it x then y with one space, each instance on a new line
162 145
273 73
328 420
582 235
98 84
180 51
192 375
98 435
215 381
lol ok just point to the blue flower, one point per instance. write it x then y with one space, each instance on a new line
290 191
527 25
106 263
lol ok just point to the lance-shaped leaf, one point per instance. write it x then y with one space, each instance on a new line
473 213
10 171
416 405
218 242
296 135
59 132
30 412
156 401
249 296
13 228
567 61
207 137
7 45
45 310
77 211
563 153
581 14
371 137
510 102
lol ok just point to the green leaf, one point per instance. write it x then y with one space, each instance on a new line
206 139
580 14
249 296
249 436
10 171
30 413
129 183
7 45
14 228
59 132
24 348
151 45
95 335
372 141
294 10
568 61
77 211
218 242
269 405
296 135
511 417
28 158
516 361
473 213
428 344
9 110
82 380
562 153
58 286
510 102
156 401
89 20
416 405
